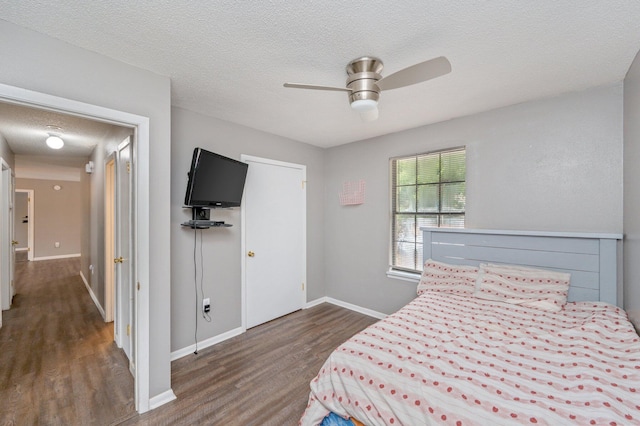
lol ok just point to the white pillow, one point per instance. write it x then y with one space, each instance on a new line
519 285
445 278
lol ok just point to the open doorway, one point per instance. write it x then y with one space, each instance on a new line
140 128
23 219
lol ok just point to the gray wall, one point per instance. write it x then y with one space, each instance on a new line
221 247
553 164
632 192
58 216
36 62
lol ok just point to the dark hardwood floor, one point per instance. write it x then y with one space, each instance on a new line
58 362
59 365
260 377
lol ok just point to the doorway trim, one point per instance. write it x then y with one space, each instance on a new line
6 239
140 124
30 223
6 221
109 237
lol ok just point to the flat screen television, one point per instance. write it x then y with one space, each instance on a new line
215 180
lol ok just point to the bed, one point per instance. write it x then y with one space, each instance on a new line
457 356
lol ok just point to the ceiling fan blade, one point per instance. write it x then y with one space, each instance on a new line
316 87
416 74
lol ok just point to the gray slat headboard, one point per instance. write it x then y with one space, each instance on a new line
593 260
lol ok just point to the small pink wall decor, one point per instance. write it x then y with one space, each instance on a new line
352 193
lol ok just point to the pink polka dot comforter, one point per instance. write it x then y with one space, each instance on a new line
459 360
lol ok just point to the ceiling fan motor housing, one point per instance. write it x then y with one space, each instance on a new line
363 73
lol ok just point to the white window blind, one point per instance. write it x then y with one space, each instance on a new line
427 190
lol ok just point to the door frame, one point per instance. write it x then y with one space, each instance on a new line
109 244
12 232
6 211
124 296
141 190
30 224
243 246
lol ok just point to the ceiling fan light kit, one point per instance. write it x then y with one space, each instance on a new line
369 115
363 105
364 93
365 81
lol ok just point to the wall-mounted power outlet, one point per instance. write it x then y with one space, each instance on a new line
56 244
206 305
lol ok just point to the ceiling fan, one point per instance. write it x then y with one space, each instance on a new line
364 81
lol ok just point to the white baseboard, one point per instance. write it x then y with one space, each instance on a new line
206 343
316 302
62 256
346 305
93 296
161 399
237 331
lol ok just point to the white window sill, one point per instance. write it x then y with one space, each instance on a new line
413 277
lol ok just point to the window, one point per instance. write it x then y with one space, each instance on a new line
427 190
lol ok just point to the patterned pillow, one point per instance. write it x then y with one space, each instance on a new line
535 288
445 278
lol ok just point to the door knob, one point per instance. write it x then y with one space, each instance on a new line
14 243
118 260
251 254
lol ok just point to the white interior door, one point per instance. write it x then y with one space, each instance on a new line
274 239
123 240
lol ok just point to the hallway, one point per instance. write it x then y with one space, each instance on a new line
58 361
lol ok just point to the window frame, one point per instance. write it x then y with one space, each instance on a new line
401 272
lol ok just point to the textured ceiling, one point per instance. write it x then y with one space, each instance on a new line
229 58
26 130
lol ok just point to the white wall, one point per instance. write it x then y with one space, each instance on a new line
632 192
43 64
553 164
5 152
221 246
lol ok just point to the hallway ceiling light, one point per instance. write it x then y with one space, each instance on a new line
55 142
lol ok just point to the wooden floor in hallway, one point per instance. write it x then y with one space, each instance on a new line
58 362
60 366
